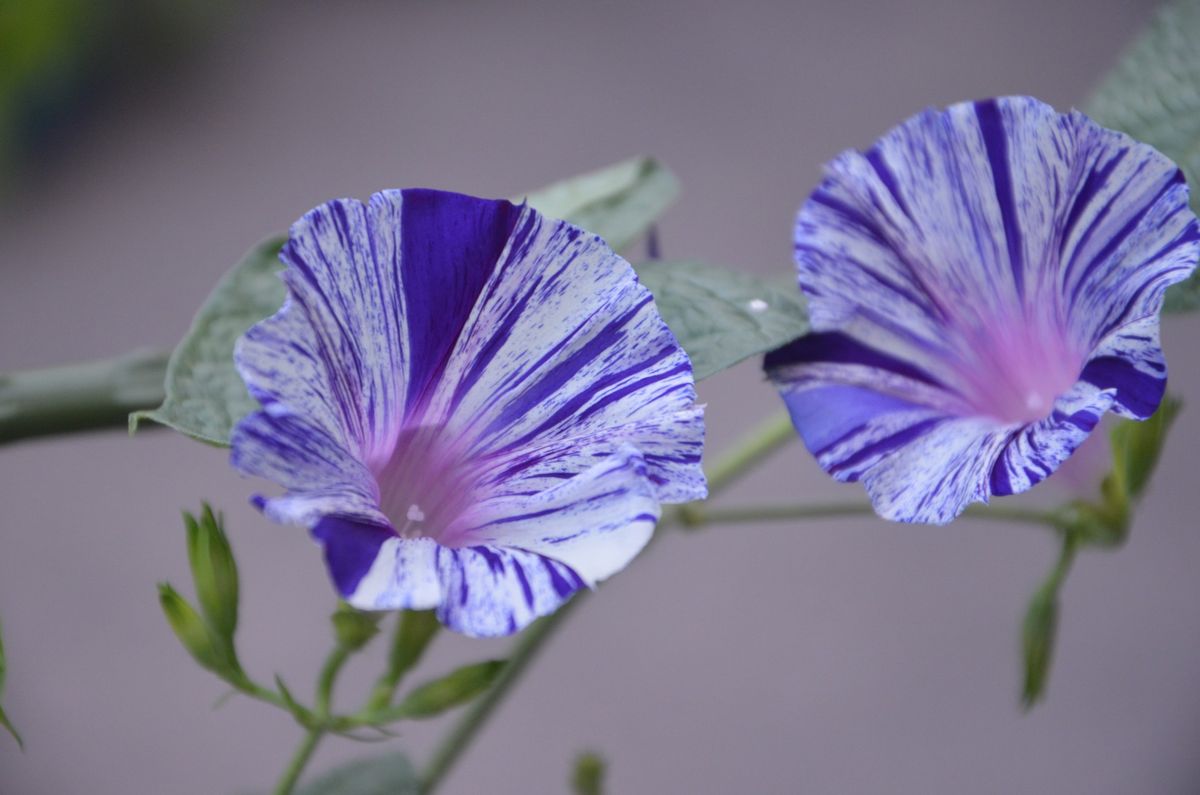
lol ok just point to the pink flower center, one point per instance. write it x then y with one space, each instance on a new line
427 485
1016 364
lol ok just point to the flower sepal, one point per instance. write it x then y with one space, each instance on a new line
354 628
1104 523
1136 448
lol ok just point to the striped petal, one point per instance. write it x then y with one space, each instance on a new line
523 560
983 282
565 350
471 407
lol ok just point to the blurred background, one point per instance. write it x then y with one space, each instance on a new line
145 146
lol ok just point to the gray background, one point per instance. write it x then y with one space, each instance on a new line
830 657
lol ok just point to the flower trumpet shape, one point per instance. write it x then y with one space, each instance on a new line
984 284
473 408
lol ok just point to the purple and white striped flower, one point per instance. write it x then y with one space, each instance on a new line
473 408
984 284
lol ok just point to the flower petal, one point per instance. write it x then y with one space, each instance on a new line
321 476
595 522
382 309
565 348
1035 451
532 553
1130 360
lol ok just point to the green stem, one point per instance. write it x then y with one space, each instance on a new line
463 732
758 444
79 397
997 513
321 718
287 782
697 516
333 665
255 690
415 630
1053 583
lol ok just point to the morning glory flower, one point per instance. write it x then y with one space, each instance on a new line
984 285
472 407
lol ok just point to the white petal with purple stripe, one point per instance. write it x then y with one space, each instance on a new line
984 284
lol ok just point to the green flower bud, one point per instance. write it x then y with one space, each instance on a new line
1037 640
214 572
200 641
1136 448
588 776
354 628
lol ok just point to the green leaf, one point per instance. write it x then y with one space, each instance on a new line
205 394
588 776
455 688
618 203
392 774
214 571
1152 95
4 721
721 317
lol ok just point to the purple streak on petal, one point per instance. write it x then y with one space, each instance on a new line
450 245
351 548
597 363
875 158
995 138
825 416
1137 391
1096 180
839 347
1106 252
558 376
1033 452
500 598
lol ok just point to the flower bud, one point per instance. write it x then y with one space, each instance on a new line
354 628
214 572
1037 640
1136 448
588 776
194 633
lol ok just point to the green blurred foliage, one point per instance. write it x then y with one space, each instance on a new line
56 55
